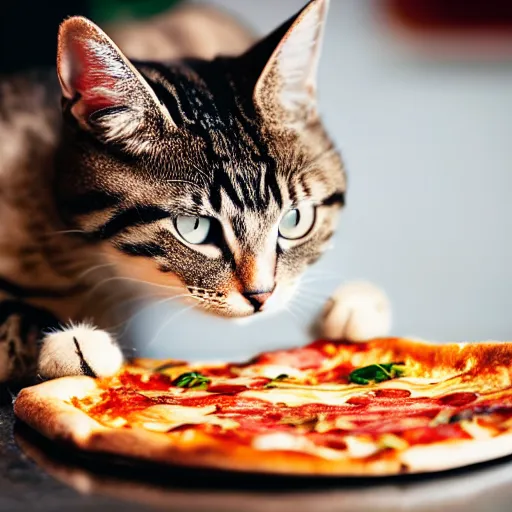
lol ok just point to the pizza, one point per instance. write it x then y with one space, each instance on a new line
385 407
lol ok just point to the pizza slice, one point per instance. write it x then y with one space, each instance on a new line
384 407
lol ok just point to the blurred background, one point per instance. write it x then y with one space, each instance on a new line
418 96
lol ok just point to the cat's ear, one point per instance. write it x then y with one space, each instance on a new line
106 91
286 88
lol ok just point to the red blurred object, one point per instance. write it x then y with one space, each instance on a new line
454 14
453 27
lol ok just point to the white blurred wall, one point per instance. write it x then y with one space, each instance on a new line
429 212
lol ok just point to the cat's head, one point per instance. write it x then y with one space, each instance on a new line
213 176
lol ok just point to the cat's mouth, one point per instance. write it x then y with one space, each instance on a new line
240 305
230 305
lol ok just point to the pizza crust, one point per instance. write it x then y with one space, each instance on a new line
47 408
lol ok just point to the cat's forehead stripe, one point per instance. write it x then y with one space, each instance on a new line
205 103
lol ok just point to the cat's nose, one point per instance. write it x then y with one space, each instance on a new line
257 299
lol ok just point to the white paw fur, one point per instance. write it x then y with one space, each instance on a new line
357 311
60 356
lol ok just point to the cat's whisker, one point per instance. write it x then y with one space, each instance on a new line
72 266
144 308
64 232
111 299
292 314
305 306
322 272
302 315
168 321
134 280
324 275
305 290
297 303
314 301
321 277
301 300
311 294
93 269
312 284
114 302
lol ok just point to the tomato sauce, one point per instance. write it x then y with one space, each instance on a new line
299 358
146 382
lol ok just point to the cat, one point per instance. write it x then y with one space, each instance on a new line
210 178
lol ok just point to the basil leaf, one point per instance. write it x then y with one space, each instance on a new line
192 380
376 373
279 378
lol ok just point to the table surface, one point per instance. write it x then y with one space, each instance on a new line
36 475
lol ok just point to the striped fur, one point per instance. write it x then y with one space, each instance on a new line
142 142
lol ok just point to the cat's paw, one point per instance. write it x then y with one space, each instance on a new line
79 350
357 311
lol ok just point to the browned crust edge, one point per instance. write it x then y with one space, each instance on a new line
46 408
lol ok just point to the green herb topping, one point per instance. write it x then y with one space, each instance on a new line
192 380
279 378
377 373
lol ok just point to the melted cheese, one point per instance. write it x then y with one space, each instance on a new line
163 418
360 448
282 441
477 431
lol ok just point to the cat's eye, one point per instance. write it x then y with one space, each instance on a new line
193 230
297 222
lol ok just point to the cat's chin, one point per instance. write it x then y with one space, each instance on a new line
227 313
240 316
261 315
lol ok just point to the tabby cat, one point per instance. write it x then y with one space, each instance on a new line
208 178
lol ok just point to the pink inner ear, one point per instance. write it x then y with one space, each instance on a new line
93 76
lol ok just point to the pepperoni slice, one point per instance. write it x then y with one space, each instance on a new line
300 358
405 406
392 393
119 401
227 389
333 439
458 399
359 400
